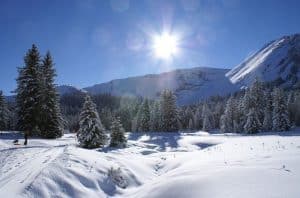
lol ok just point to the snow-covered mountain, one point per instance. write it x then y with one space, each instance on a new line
189 85
278 61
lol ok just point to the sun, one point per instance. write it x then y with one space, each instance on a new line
165 45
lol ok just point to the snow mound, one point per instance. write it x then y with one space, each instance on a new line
195 164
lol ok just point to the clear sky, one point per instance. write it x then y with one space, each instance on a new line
94 41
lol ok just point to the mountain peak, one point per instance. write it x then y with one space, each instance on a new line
278 62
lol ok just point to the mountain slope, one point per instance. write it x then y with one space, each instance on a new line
278 62
189 85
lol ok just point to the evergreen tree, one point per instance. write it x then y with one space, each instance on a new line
155 123
91 133
144 114
169 112
257 101
268 123
239 117
280 114
252 124
118 138
191 124
227 119
217 113
29 87
291 107
207 118
51 120
4 113
198 120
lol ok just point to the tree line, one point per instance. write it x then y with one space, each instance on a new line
39 111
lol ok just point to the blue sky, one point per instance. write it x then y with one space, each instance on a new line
94 41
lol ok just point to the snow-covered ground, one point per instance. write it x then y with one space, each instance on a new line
154 165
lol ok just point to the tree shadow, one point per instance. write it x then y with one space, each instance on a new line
162 140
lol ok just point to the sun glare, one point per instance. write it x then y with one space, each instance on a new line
165 45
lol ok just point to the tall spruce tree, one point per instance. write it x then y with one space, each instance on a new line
198 120
227 119
4 113
91 133
169 112
281 120
252 124
144 114
155 123
51 120
239 116
268 123
257 101
207 118
29 87
117 138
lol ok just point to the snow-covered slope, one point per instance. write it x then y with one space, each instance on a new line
154 165
277 61
189 85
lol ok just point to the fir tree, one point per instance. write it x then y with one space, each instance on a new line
169 112
268 123
198 120
144 114
252 124
227 119
239 116
118 138
4 113
155 123
51 120
257 101
280 114
91 133
191 124
207 118
29 87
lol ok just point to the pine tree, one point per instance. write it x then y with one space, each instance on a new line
51 120
169 112
198 120
217 113
144 114
91 133
4 113
207 118
227 119
252 124
280 114
118 138
29 86
291 107
257 102
155 123
191 124
267 123
239 116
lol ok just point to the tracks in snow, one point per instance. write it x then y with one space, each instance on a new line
19 166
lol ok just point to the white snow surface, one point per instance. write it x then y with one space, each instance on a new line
168 165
